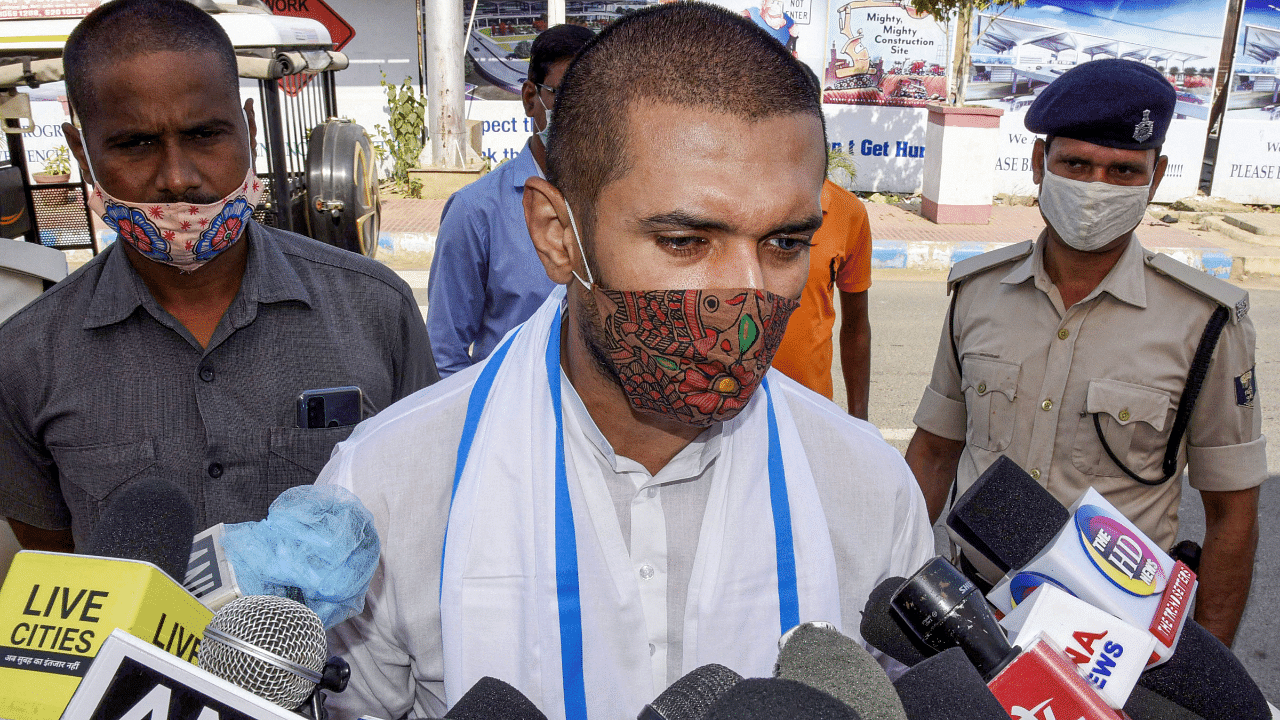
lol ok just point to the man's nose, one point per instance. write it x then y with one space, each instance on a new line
178 173
741 266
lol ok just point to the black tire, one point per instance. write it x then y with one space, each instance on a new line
343 205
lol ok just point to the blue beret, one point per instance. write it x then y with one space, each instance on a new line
1114 103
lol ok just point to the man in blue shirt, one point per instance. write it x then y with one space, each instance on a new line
486 277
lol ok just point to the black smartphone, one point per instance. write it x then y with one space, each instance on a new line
330 407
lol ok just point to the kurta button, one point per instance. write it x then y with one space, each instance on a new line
206 374
653 649
1124 415
646 572
1035 473
215 470
1046 405
1063 334
651 491
982 388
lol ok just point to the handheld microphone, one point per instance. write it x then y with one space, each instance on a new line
777 699
823 658
149 520
690 697
57 609
1205 677
273 647
884 631
1004 519
493 699
1144 704
945 610
1108 651
947 687
1105 560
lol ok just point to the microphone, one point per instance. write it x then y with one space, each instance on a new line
1205 677
883 630
149 520
690 697
1108 651
1104 559
493 699
947 687
823 658
274 648
777 699
57 609
318 540
945 609
1144 704
1004 519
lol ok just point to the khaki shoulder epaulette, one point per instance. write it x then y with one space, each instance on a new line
1221 292
979 263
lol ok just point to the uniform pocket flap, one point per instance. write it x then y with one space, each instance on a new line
1127 403
100 469
987 375
308 448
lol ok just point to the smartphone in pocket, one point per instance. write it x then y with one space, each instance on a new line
330 407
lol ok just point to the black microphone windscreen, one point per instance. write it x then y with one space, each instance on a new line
1144 704
150 520
776 699
691 696
947 687
826 659
1007 516
493 699
1204 676
883 631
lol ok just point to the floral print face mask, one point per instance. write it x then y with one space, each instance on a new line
184 235
693 356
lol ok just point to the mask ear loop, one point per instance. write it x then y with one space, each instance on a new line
578 238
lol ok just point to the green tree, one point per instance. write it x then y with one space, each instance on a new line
963 12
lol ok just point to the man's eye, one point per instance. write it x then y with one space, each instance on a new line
679 242
791 244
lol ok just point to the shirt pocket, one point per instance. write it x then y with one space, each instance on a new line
1133 420
96 471
299 454
989 387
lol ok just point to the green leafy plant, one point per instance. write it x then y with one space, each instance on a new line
403 140
963 12
58 162
840 163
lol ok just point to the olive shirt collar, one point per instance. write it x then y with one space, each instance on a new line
1126 282
268 278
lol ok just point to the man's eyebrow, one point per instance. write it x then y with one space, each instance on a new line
680 220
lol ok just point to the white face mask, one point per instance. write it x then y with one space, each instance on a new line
1088 216
545 133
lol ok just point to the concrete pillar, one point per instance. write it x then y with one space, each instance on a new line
960 164
446 121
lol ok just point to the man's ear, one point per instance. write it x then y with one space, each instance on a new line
1162 164
253 131
529 98
548 221
1037 161
76 144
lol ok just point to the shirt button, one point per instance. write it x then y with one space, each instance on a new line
653 649
1046 405
982 388
646 572
1035 473
215 470
206 374
1063 334
651 492
1124 415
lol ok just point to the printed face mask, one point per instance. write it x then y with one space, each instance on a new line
1090 215
693 356
184 235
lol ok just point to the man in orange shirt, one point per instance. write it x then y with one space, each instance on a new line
839 259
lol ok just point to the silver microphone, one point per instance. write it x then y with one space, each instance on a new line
271 646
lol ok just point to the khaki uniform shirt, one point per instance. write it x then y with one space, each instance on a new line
1034 372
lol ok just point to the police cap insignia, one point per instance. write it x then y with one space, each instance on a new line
1114 103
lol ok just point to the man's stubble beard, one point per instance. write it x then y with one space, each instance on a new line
591 328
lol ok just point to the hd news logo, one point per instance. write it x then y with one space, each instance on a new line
1120 555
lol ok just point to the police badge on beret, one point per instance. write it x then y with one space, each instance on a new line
1143 131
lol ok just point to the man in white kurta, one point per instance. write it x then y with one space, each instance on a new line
623 492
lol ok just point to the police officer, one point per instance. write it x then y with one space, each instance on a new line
1074 354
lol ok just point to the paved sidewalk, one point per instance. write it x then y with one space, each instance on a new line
901 237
